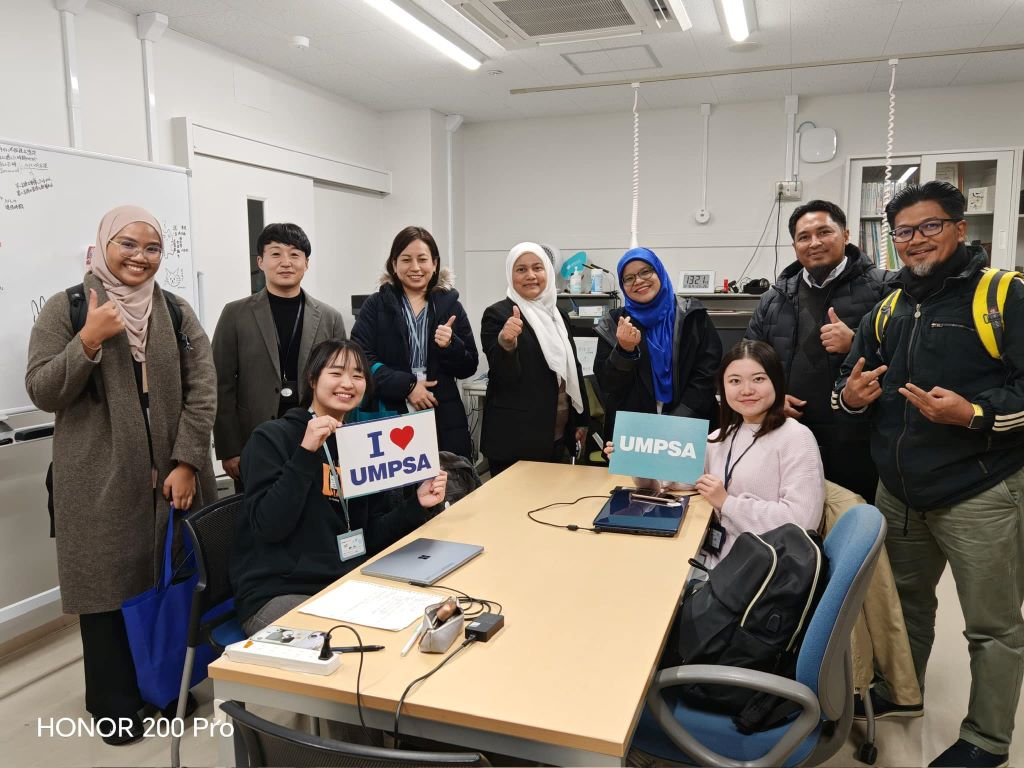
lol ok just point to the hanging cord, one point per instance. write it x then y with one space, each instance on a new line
887 190
634 240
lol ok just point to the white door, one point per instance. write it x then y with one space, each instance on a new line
221 190
986 179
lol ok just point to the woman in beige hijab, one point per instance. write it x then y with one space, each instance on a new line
134 405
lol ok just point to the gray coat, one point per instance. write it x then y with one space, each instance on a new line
110 523
249 368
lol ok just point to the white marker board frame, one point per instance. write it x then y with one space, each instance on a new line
51 203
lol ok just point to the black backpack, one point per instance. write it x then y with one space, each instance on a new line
78 308
752 612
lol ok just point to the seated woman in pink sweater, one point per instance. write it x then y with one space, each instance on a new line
761 468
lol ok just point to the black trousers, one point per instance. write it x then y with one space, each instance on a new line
847 462
111 688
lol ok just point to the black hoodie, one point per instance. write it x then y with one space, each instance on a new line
286 537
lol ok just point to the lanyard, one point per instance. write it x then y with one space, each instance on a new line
417 326
337 480
728 458
283 355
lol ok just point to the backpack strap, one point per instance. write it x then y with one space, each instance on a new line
174 309
988 306
78 307
884 313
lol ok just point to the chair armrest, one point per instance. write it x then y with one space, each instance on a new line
798 730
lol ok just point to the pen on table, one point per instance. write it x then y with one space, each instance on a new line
357 648
413 639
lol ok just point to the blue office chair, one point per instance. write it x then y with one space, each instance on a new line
212 619
823 688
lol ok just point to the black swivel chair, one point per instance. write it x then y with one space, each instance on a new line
270 744
211 530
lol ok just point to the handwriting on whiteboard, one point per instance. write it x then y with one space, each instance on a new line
22 162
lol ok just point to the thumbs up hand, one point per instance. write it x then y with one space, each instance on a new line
443 334
509 336
836 336
102 322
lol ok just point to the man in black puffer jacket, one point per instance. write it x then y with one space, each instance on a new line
809 317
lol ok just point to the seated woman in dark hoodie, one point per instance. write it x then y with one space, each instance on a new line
295 525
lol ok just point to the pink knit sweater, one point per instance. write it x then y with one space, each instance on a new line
779 480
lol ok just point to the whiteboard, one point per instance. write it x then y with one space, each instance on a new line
51 203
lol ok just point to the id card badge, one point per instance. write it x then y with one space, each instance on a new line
420 374
715 539
351 544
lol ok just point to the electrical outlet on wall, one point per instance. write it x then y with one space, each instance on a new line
789 190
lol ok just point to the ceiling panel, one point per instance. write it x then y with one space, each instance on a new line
822 81
773 48
1010 28
312 18
232 30
174 8
936 14
854 33
1002 67
918 73
944 39
678 93
752 87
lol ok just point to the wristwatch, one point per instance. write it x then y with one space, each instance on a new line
978 419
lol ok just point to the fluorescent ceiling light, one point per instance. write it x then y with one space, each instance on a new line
736 19
680 13
411 24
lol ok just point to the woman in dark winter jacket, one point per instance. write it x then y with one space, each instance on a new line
536 405
297 533
418 338
660 353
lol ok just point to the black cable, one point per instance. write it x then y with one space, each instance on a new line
767 221
359 673
486 606
529 514
401 701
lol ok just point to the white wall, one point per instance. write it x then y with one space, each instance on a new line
567 180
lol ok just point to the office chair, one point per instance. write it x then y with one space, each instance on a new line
823 687
269 744
212 620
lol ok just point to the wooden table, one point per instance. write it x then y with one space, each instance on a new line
586 617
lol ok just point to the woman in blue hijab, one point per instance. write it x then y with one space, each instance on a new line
658 353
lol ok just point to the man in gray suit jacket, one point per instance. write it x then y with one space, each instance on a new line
262 343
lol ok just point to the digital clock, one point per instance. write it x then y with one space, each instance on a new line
696 281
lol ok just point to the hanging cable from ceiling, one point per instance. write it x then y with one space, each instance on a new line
634 240
887 185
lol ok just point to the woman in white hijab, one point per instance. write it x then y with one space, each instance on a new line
536 407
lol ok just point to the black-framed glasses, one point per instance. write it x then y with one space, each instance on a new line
130 248
928 228
644 274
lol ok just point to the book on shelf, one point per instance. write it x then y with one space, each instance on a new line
875 242
872 197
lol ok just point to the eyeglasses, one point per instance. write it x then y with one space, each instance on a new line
644 274
928 228
131 248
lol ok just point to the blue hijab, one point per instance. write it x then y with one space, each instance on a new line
657 319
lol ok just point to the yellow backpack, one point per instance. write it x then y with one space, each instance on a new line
987 309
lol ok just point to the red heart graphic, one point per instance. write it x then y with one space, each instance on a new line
402 437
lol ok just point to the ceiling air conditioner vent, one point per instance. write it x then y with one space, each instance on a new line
560 17
527 23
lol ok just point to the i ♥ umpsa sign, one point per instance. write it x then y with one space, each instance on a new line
387 453
659 447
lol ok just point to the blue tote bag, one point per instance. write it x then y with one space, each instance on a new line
157 623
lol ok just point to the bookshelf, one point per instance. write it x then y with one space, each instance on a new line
986 178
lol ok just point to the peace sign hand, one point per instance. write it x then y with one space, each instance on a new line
863 388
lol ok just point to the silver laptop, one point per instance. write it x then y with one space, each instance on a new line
423 561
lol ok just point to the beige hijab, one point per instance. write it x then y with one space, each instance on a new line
135 303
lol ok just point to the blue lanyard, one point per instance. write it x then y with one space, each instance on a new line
417 326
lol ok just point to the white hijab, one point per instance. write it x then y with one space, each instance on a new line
541 314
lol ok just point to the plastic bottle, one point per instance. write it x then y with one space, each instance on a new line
595 280
576 282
